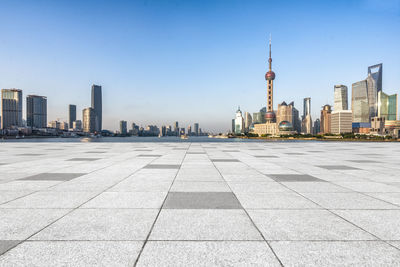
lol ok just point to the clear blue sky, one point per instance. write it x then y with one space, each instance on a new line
193 61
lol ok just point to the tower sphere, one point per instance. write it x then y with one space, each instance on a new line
270 75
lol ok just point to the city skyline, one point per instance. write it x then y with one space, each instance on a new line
155 75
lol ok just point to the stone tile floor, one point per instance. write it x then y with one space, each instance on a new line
200 204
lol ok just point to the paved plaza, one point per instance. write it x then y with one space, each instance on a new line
200 204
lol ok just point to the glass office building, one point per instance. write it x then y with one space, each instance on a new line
36 111
387 106
359 102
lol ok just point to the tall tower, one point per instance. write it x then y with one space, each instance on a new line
97 106
270 77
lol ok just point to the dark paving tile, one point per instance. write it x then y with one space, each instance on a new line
337 167
256 149
201 200
265 156
149 155
315 151
47 176
5 245
83 159
364 161
225 160
2 163
294 178
54 149
162 166
143 149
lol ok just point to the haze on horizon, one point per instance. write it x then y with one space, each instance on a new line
193 61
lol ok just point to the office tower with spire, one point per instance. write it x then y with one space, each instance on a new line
11 108
270 77
71 115
36 111
97 106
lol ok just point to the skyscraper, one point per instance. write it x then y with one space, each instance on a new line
387 106
317 126
270 77
97 107
247 120
376 73
341 121
36 111
176 128
340 95
89 120
189 130
71 115
123 129
359 102
306 107
239 122
196 129
325 126
11 108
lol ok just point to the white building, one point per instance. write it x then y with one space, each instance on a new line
239 122
341 121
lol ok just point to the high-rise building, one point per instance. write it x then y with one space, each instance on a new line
376 73
247 120
77 125
189 130
317 126
387 106
36 111
89 120
306 107
284 113
176 128
325 126
97 107
307 124
54 124
64 126
123 129
341 121
340 95
359 102
71 115
196 129
239 122
259 117
11 108
296 119
270 77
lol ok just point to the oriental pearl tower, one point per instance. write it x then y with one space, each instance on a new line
270 77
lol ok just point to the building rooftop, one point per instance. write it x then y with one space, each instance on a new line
199 204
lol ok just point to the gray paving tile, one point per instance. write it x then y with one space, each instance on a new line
225 160
364 161
264 156
337 167
30 154
149 155
385 224
77 253
207 224
143 200
201 200
294 178
207 253
162 166
230 151
19 224
308 225
336 253
53 176
187 186
7 244
273 200
83 159
101 224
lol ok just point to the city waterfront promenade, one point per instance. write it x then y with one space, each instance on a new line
199 204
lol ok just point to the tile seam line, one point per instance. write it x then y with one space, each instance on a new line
71 210
162 205
330 211
252 222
